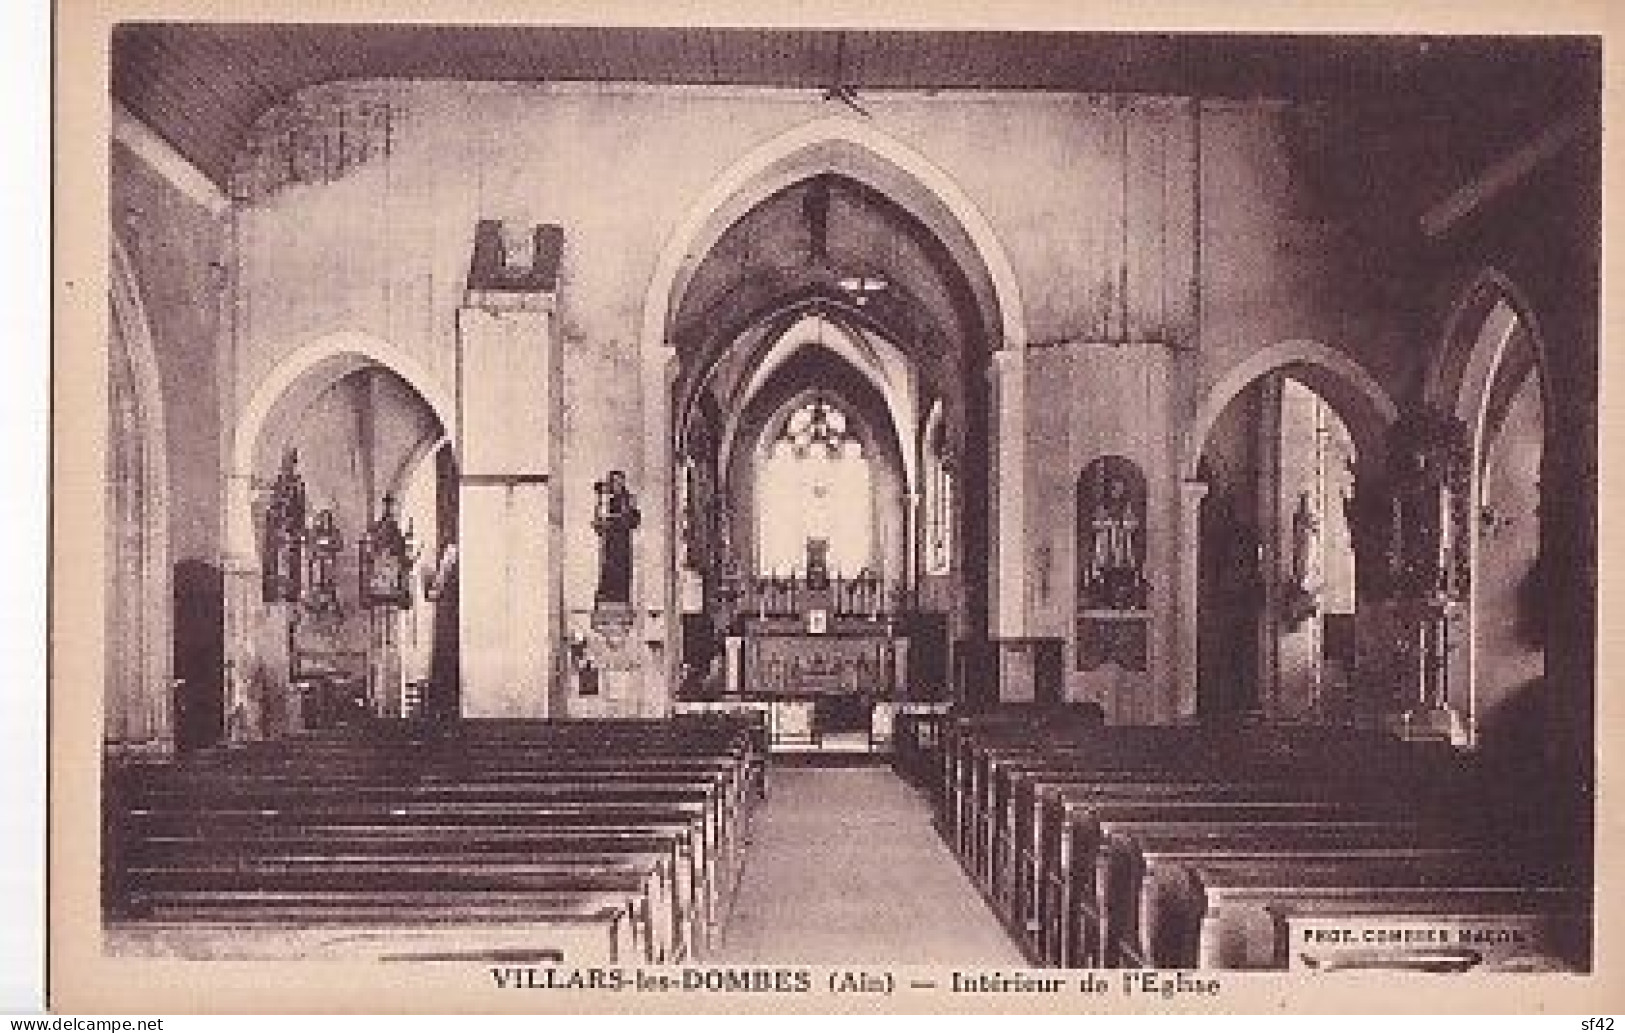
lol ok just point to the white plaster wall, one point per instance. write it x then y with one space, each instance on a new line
1089 400
1095 200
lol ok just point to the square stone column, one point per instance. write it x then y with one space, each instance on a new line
1186 704
1009 545
510 617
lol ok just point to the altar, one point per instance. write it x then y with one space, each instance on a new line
829 675
851 658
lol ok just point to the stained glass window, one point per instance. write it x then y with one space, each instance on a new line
814 482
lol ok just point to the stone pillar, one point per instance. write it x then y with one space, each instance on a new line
1267 516
1186 652
1009 569
654 579
508 532
251 627
913 547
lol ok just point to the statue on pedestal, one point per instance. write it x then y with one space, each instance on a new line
1302 589
615 517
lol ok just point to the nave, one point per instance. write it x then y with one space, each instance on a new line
844 867
660 843
1190 482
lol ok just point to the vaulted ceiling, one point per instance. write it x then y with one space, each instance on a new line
201 85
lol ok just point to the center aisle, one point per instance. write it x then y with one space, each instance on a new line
845 867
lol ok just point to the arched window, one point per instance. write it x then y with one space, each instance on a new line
814 484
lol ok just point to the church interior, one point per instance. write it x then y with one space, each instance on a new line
617 495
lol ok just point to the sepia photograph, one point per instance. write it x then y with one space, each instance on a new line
612 515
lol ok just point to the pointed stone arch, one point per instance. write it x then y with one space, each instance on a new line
1490 319
285 392
858 150
292 384
1360 401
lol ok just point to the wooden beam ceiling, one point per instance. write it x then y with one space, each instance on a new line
201 85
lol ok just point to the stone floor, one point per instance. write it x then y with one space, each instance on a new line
845 867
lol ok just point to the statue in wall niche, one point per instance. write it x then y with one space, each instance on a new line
285 533
615 517
1112 590
1111 531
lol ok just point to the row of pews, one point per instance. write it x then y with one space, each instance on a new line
1251 848
522 842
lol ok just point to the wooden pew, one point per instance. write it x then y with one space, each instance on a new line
551 812
964 735
1060 801
996 806
1075 926
1210 909
732 813
643 881
1538 928
721 838
1128 849
1179 752
536 783
1045 822
534 928
1023 832
683 824
984 757
730 817
467 848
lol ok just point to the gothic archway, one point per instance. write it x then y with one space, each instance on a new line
1240 529
875 251
358 438
1491 372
